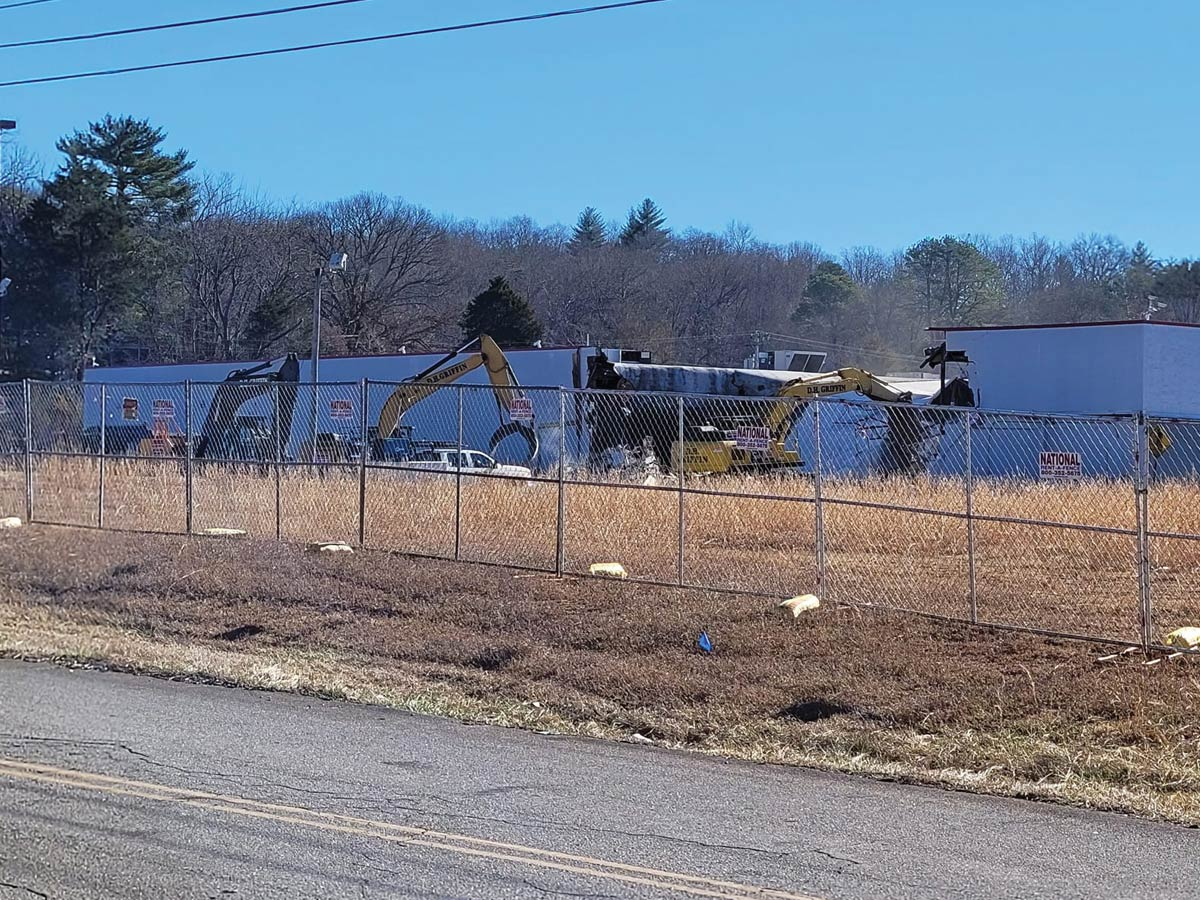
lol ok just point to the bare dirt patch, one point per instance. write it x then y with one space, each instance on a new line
840 688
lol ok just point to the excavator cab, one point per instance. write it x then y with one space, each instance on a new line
228 434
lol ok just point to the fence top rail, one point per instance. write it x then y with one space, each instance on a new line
845 400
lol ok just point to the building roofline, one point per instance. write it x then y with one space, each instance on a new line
949 328
325 357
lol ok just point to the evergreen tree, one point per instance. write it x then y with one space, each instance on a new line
1138 281
953 283
589 231
502 314
1177 287
828 292
646 227
95 240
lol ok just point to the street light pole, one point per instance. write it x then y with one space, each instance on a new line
316 327
5 125
337 263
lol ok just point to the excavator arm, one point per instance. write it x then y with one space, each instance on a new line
487 353
238 389
809 387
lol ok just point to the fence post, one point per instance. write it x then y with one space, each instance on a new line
973 597
818 501
458 481
189 453
362 469
1141 495
28 453
103 454
278 466
681 465
560 546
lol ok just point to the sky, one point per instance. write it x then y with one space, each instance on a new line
840 122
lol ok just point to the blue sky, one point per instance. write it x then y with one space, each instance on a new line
841 123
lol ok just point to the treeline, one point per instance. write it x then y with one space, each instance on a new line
125 255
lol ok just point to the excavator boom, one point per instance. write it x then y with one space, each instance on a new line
447 371
238 389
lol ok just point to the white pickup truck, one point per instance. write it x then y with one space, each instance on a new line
474 462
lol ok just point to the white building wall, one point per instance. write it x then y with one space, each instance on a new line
1087 370
433 419
1171 371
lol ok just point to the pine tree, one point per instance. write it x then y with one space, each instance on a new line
646 227
98 237
1138 281
828 291
146 184
589 231
502 314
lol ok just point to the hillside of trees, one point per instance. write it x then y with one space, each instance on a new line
126 254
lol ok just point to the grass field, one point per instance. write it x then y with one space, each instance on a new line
839 688
1037 576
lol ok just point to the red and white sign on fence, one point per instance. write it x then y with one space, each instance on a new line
1058 465
752 437
164 410
520 409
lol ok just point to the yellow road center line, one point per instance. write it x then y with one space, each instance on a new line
393 833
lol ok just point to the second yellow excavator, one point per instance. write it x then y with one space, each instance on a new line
760 442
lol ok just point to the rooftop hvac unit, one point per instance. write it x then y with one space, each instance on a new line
645 357
788 360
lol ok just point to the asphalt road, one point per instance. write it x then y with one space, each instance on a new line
118 786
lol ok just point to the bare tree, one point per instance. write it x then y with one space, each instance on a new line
392 294
243 275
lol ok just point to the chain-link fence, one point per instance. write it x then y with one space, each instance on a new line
1081 526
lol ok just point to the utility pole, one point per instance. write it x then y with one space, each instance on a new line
759 337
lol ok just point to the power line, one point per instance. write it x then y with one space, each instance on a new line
41 42
326 44
24 3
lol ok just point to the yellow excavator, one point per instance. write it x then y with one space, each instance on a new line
483 351
759 442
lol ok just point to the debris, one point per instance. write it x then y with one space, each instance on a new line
796 605
636 738
1116 657
704 642
224 532
1187 637
608 570
330 547
11 522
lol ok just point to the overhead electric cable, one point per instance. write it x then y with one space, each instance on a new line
326 44
24 3
41 42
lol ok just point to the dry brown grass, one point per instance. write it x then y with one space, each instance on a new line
1072 581
841 688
